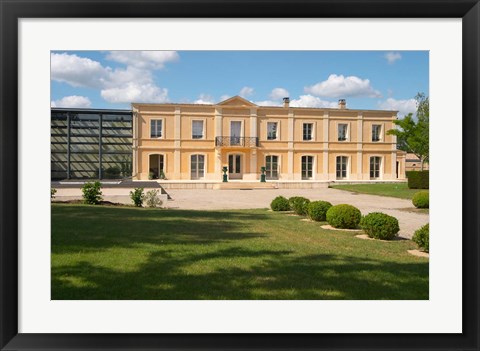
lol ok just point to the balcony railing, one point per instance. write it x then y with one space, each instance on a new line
236 141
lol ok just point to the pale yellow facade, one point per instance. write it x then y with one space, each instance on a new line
194 142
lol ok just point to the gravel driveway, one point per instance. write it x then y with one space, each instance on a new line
204 199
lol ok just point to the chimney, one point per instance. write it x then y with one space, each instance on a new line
286 102
342 104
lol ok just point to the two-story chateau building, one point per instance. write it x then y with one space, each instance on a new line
194 142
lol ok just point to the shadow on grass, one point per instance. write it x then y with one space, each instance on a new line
275 275
98 228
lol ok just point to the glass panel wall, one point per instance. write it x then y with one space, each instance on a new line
91 144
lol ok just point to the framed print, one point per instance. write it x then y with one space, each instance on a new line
342 76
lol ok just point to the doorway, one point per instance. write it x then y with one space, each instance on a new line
156 168
307 167
235 166
197 167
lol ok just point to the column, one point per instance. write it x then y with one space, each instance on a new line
254 168
291 134
360 146
218 133
218 122
394 158
177 127
326 124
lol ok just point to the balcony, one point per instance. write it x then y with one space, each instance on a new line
236 141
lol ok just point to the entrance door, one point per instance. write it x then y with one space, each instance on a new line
197 166
342 162
235 132
307 167
375 167
271 166
235 166
156 167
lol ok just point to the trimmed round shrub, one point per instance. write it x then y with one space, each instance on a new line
292 199
380 226
280 203
317 210
420 199
344 216
299 205
421 237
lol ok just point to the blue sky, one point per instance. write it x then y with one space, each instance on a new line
366 79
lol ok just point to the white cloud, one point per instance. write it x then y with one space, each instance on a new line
341 86
144 59
134 92
77 71
245 92
312 101
392 57
279 93
72 101
268 103
134 83
403 107
205 99
224 97
130 74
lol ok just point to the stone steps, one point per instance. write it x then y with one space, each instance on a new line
244 185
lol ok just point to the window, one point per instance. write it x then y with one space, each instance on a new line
197 166
272 128
342 132
271 166
342 162
197 129
235 132
376 132
156 128
307 167
307 131
375 167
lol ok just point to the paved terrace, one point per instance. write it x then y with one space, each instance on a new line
208 199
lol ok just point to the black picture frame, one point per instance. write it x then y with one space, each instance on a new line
12 11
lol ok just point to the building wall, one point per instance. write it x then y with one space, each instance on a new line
177 145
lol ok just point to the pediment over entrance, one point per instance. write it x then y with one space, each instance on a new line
236 101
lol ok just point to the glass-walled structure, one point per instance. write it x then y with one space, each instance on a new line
91 144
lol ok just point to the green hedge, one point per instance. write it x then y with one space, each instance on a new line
421 237
344 216
418 179
420 199
292 199
379 225
280 203
317 210
299 205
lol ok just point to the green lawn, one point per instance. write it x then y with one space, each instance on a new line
400 190
105 252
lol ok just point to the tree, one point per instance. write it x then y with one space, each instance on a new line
413 136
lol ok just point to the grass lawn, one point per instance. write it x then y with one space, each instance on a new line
106 252
400 190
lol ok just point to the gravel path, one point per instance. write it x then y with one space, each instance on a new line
245 199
